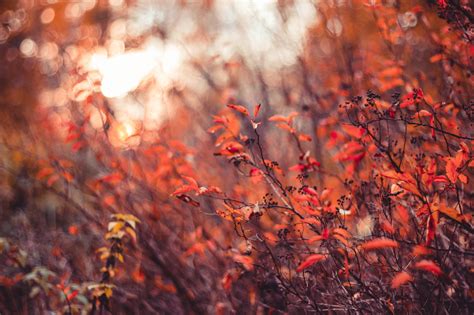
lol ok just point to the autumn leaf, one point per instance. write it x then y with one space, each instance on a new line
227 282
304 137
451 170
286 127
451 212
183 189
310 191
420 250
430 266
191 181
72 295
309 261
431 229
280 118
44 172
239 108
256 110
387 226
422 113
245 261
436 58
391 72
353 131
342 232
215 128
379 243
400 279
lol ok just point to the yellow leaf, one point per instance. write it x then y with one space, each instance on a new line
132 233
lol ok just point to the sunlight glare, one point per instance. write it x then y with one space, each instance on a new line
123 73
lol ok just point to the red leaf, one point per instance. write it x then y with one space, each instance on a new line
309 261
227 282
73 230
72 295
420 250
325 234
430 266
431 230
297 168
112 179
256 110
183 189
310 191
400 279
52 180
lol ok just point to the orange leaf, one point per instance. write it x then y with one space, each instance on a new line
463 178
422 113
387 227
436 58
278 118
428 265
391 72
315 239
239 108
215 128
44 172
246 261
379 243
68 176
420 250
281 118
304 137
286 127
341 232
451 212
309 261
138 276
451 170
353 131
400 279
183 189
